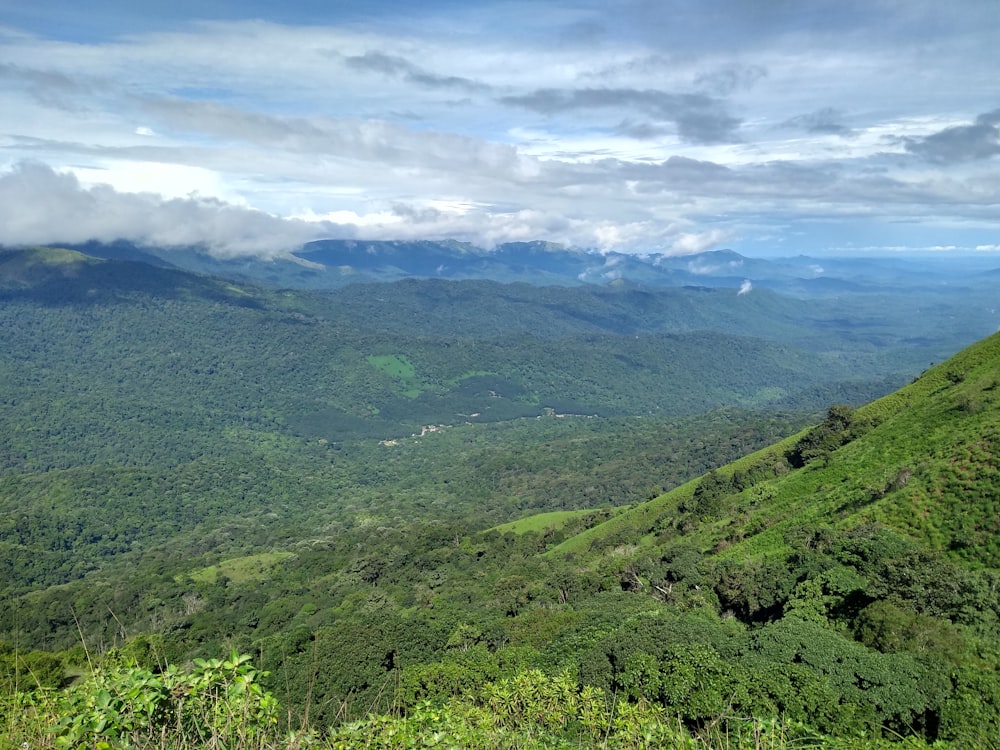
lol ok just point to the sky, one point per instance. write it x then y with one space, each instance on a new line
774 128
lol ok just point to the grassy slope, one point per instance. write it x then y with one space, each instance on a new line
554 520
927 467
242 569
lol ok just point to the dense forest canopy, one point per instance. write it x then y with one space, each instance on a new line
560 516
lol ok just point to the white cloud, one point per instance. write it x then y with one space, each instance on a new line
164 180
38 205
690 243
571 123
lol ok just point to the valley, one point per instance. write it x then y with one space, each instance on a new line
719 509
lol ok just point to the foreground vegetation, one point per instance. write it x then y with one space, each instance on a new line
220 704
721 614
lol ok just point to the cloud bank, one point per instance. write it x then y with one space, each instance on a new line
31 195
649 127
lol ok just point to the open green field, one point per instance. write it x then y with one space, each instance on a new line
393 365
541 522
241 570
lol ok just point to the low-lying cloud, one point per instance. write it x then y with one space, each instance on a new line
41 206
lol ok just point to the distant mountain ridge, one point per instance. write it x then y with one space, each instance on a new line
332 264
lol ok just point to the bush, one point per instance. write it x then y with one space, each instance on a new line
216 704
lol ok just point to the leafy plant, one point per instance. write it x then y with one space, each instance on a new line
216 704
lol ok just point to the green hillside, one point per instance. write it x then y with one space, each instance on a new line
143 405
922 460
109 362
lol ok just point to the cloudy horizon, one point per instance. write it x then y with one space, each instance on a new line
656 127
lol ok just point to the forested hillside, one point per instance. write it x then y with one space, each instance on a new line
382 363
485 519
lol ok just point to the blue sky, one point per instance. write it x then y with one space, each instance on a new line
647 126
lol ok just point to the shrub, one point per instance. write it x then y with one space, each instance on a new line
218 703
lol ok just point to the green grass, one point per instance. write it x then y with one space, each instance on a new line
398 367
56 256
542 521
941 434
393 365
241 569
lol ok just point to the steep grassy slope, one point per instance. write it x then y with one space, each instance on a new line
924 460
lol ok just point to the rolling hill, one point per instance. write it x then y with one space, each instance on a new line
157 360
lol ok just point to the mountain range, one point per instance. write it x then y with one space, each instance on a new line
330 264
